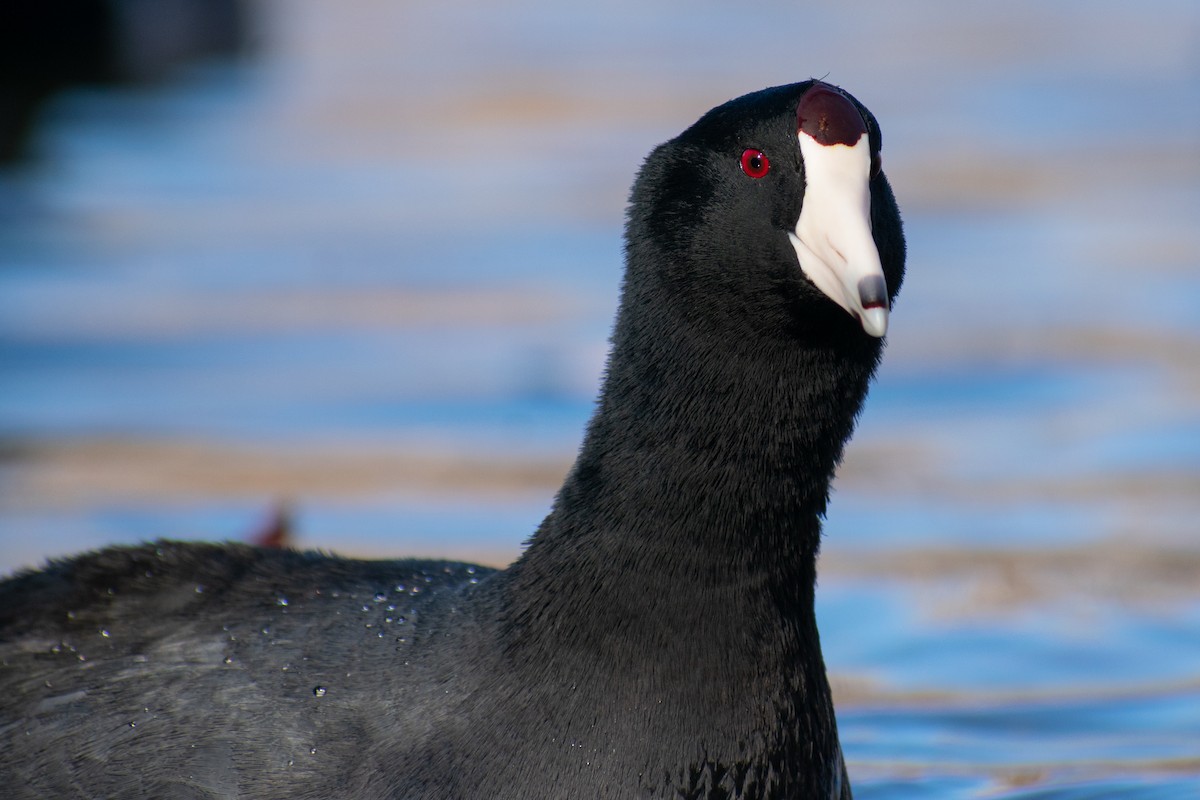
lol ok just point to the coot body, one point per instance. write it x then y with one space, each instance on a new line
656 639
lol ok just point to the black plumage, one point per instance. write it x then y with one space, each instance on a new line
656 639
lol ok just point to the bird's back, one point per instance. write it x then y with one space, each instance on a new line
219 670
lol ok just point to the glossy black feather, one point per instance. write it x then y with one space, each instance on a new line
656 639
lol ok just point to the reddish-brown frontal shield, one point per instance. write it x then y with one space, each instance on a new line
828 117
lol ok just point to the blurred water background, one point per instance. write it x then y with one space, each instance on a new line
367 269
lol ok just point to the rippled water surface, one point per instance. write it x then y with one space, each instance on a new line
371 271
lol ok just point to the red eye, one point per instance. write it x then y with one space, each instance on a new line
755 163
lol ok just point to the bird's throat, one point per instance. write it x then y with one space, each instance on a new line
710 472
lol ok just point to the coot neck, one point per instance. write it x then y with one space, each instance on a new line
666 603
705 469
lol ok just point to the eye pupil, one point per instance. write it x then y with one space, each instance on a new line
755 163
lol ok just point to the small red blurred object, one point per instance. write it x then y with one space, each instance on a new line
276 531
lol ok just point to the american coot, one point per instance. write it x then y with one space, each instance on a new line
656 638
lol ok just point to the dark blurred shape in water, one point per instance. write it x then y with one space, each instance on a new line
49 45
